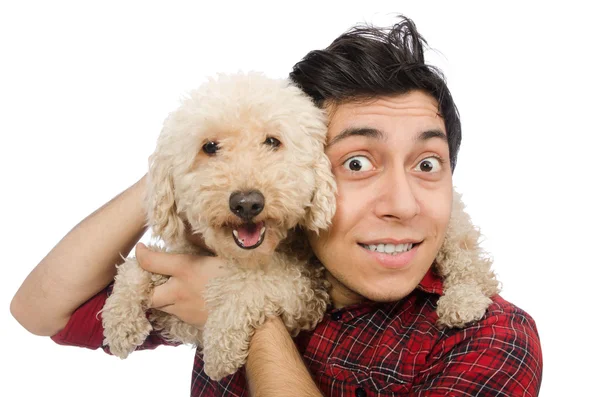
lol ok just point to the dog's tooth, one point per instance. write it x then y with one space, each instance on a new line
235 233
262 230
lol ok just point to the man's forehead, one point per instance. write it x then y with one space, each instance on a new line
417 102
400 100
414 113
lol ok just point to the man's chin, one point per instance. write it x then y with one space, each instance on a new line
385 296
347 294
390 289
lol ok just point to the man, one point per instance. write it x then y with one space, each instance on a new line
393 139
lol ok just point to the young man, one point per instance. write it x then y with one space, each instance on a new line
393 140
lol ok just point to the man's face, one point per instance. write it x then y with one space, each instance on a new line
391 162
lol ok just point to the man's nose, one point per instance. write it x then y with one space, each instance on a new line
397 198
246 205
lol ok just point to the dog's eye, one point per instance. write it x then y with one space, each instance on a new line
274 142
211 147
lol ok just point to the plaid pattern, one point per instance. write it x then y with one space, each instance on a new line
387 349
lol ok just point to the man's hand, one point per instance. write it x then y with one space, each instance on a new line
183 295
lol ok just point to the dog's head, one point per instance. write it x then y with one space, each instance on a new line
242 161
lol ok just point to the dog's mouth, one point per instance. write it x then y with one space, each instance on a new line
249 235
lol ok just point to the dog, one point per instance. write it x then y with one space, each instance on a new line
242 163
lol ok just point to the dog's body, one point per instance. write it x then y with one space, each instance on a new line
242 163
287 286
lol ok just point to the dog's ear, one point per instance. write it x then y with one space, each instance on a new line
160 201
319 215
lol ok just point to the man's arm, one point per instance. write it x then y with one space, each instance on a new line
81 264
274 366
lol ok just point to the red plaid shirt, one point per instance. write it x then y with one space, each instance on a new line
385 349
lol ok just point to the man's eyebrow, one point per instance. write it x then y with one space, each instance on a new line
357 131
429 134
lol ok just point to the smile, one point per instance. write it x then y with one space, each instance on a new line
390 249
249 235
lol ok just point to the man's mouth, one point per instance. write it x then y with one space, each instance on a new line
249 235
390 249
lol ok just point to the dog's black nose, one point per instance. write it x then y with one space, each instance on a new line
247 205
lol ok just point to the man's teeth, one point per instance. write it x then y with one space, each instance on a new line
389 248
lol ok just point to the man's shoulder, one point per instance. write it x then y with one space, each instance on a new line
502 311
501 305
504 347
504 327
421 309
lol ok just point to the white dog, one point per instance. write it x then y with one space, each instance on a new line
242 162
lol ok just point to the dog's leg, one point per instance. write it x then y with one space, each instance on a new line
238 305
300 292
225 343
124 313
469 282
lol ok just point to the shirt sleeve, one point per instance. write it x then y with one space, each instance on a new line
499 356
84 328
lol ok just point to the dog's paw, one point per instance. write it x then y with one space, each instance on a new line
305 308
225 349
461 305
125 326
226 359
123 338
217 370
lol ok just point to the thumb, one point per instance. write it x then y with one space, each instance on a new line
140 252
165 263
144 257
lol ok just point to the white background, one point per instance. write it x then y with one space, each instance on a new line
84 90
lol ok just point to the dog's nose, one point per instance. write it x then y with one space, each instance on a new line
247 205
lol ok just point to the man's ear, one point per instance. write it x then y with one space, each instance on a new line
160 202
320 213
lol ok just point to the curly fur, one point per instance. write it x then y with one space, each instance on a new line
466 270
188 187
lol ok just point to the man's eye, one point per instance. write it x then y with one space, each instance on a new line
358 163
210 148
429 164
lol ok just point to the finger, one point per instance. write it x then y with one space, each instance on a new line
163 296
159 262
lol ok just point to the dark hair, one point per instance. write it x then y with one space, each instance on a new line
367 62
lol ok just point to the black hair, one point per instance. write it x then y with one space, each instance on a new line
366 62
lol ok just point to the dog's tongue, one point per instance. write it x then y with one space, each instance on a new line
248 234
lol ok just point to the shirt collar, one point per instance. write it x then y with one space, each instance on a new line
432 283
